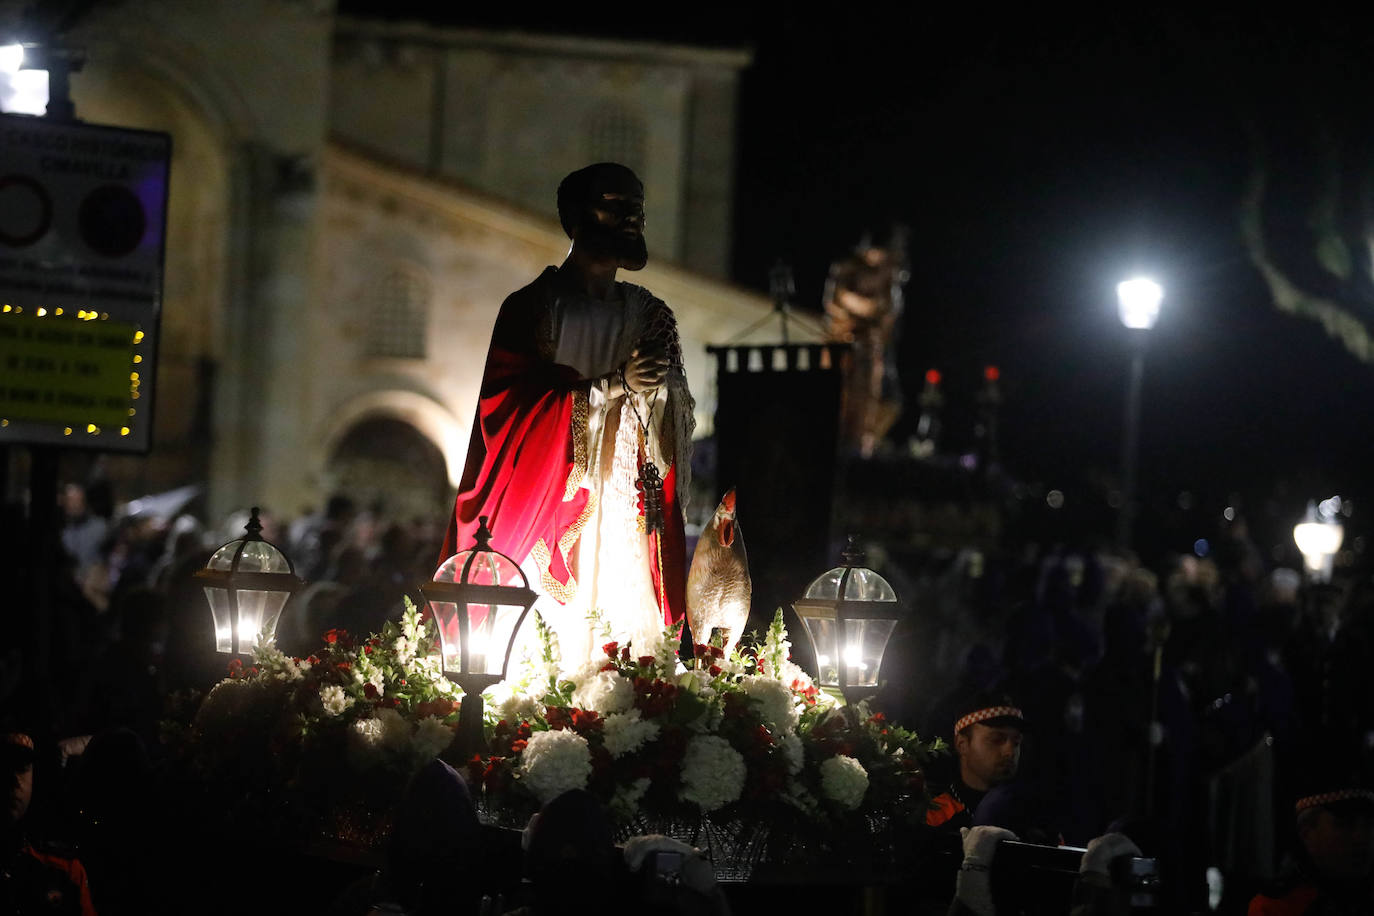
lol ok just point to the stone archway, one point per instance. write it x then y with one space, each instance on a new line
386 462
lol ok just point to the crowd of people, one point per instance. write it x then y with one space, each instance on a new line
1212 715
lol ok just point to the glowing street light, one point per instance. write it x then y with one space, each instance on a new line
1319 537
247 583
1138 300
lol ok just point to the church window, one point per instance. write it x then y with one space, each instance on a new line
399 315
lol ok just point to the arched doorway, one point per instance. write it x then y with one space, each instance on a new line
387 464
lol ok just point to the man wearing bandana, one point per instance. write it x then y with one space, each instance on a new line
581 446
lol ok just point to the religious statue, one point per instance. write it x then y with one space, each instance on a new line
863 306
581 443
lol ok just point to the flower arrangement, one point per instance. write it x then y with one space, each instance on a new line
276 731
744 734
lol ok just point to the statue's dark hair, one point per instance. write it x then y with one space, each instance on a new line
575 191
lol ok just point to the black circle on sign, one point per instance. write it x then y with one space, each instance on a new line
111 220
22 225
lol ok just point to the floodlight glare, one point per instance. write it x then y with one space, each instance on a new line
11 58
1138 300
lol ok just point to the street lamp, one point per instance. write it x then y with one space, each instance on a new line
849 614
1138 301
247 583
478 608
1319 536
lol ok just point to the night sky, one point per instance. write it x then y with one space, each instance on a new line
1037 161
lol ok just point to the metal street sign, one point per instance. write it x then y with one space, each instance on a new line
83 215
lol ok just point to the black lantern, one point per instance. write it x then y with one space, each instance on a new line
247 582
479 599
849 613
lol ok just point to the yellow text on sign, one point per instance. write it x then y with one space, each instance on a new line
64 371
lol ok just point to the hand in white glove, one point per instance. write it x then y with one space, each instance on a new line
973 887
697 873
1102 850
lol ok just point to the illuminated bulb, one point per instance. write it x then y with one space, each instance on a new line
18 309
9 308
854 658
137 358
80 313
11 58
823 661
42 311
57 311
133 376
67 431
1138 302
138 337
4 422
124 430
92 428
133 395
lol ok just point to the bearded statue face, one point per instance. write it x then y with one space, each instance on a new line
610 224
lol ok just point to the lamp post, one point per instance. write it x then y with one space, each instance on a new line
1138 301
1319 536
478 609
247 583
849 614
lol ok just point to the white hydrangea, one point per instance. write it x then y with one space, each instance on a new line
555 762
792 752
625 802
626 732
396 730
712 773
334 699
844 781
431 737
774 702
365 742
605 692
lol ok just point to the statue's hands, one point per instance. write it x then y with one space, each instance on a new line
646 368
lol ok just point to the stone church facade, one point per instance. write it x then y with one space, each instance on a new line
351 201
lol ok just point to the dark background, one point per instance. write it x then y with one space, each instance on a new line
1038 160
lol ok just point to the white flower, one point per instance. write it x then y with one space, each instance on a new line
712 772
404 649
625 802
665 650
334 700
395 730
626 732
774 702
509 702
555 762
844 781
697 681
364 742
605 692
792 752
377 679
431 737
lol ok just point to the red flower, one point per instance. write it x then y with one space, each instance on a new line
556 717
344 666
313 660
367 649
611 648
518 745
625 654
609 666
331 636
403 682
714 670
584 720
645 661
370 691
523 730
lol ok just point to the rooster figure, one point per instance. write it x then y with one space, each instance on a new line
718 584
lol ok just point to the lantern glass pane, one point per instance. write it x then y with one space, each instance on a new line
257 556
259 611
822 631
219 610
865 641
863 585
489 568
